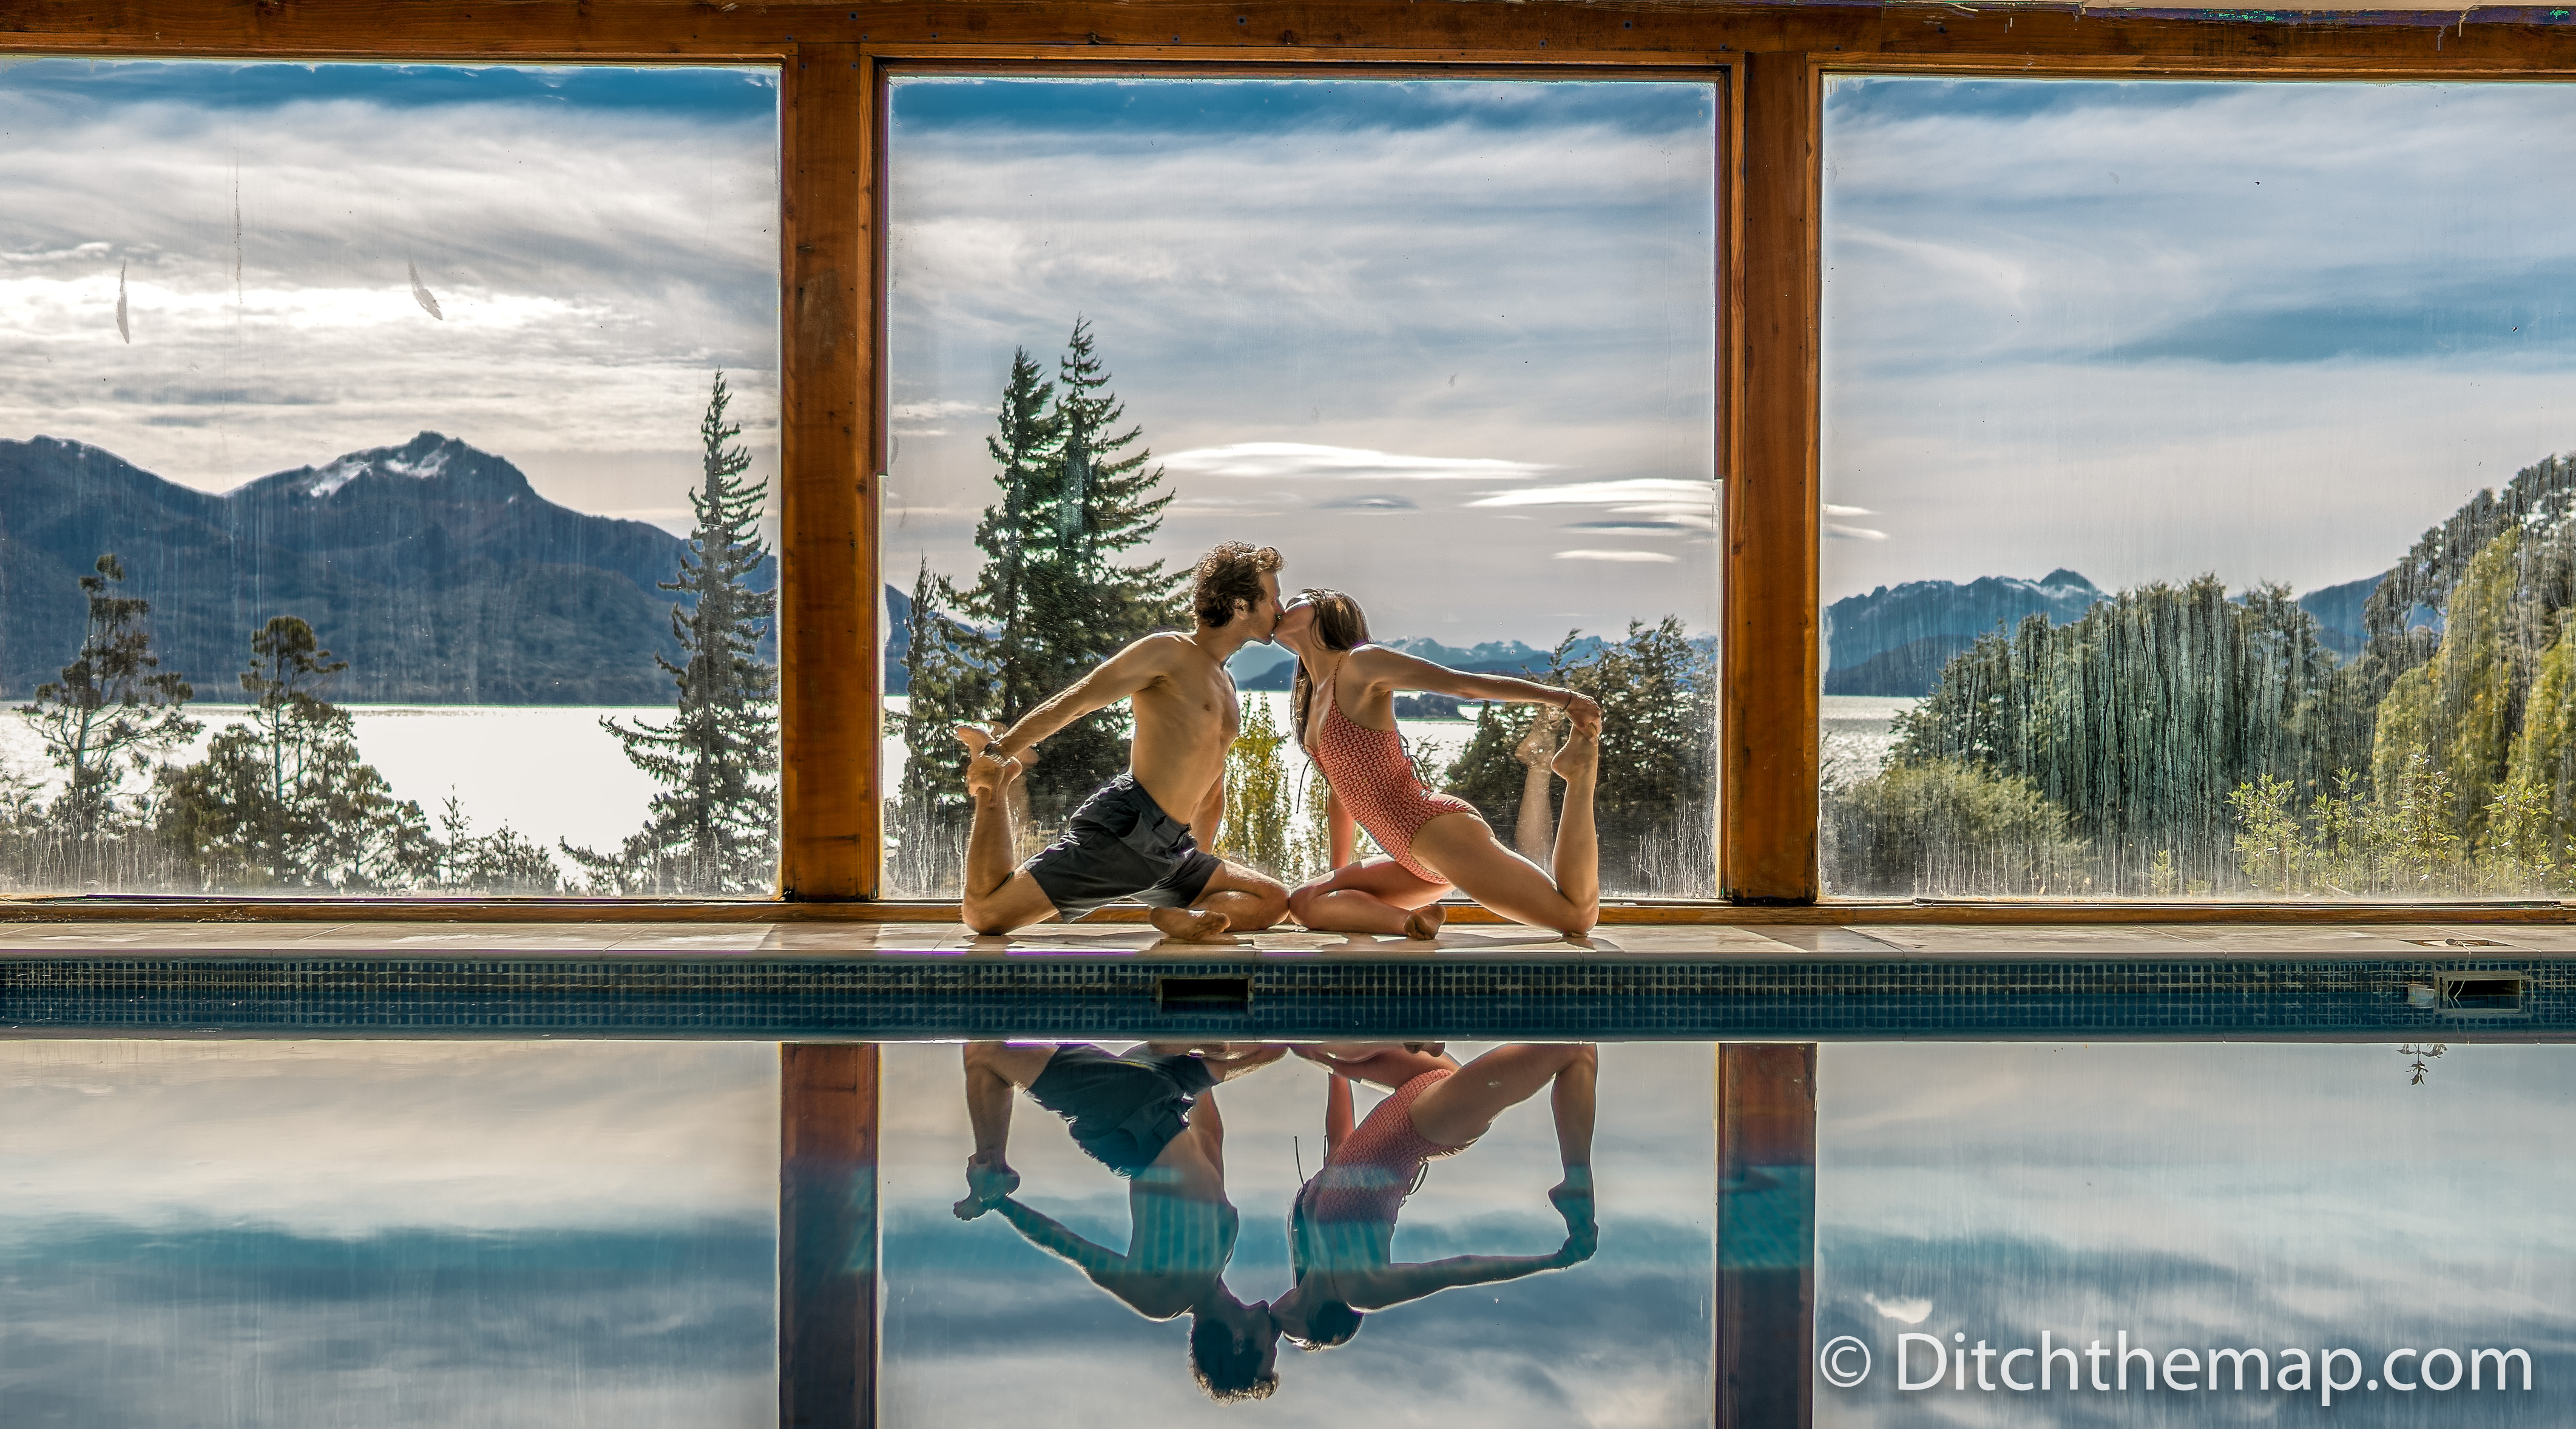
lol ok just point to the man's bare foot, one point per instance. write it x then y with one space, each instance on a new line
1190 925
1425 923
1581 755
987 775
1535 745
987 1182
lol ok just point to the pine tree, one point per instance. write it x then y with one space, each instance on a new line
929 817
1027 448
111 706
1083 602
282 798
714 828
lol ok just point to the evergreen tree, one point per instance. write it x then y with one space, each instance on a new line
1658 697
714 828
1027 449
282 798
1084 601
113 706
930 815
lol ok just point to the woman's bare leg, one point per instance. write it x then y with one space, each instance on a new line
1377 896
1576 862
1461 1107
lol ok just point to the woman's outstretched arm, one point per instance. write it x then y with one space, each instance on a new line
1394 670
1342 831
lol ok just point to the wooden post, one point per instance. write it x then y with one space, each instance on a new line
1766 1235
827 1235
1768 806
829 646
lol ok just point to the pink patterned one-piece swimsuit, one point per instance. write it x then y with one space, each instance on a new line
1367 768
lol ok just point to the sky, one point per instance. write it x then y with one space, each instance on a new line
2147 330
2208 1194
981 1328
597 242
1448 345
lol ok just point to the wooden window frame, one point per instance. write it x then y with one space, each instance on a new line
1772 61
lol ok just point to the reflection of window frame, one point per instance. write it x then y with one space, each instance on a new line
1771 60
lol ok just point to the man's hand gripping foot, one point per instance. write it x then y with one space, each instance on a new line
988 1180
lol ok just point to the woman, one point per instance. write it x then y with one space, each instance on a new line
1343 705
1341 1228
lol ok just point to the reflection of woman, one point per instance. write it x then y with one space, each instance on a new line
1344 710
1341 1229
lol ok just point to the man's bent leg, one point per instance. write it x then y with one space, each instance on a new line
995 1071
999 896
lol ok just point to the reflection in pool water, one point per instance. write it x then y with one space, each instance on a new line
2186 1205
987 1326
295 1234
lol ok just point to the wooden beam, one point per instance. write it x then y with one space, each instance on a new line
828 637
827 1235
1766 1234
1771 678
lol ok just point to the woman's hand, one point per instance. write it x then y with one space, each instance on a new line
1585 711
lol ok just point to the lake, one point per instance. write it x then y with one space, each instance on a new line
551 772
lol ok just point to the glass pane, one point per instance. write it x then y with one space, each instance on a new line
323 1233
1066 1304
2193 521
2365 1220
351 463
1449 347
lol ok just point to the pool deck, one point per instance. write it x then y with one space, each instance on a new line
1129 939
852 980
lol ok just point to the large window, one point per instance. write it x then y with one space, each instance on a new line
1449 345
2195 520
357 453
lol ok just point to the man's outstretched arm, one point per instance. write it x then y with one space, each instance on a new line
1050 1235
1114 679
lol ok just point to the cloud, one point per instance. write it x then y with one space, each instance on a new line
1853 533
1369 505
1293 461
1833 510
2087 324
1654 491
594 257
1622 556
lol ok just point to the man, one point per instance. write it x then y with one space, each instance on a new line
1123 842
1149 1115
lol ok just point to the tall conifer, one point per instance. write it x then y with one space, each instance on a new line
714 828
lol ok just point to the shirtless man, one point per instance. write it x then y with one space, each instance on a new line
1148 1114
1122 843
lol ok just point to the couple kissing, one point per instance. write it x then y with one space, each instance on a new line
1124 842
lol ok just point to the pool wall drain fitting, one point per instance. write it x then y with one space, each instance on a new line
2482 993
1204 994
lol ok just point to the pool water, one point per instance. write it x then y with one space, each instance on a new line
307 1233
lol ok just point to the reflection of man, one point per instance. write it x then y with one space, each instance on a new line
1125 841
1149 1115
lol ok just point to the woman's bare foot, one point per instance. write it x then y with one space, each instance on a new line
1190 925
1535 746
1424 925
1581 755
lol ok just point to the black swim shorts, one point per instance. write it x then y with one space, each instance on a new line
1120 844
1122 1110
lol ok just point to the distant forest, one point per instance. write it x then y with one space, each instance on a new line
2180 740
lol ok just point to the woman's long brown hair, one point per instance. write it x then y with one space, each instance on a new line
1341 625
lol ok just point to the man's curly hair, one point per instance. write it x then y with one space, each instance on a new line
1230 573
1226 1371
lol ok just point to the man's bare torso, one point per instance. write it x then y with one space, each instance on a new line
1185 720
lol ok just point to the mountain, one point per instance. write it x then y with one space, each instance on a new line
2338 609
432 567
1894 640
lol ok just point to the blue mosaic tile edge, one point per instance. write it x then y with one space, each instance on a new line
894 998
